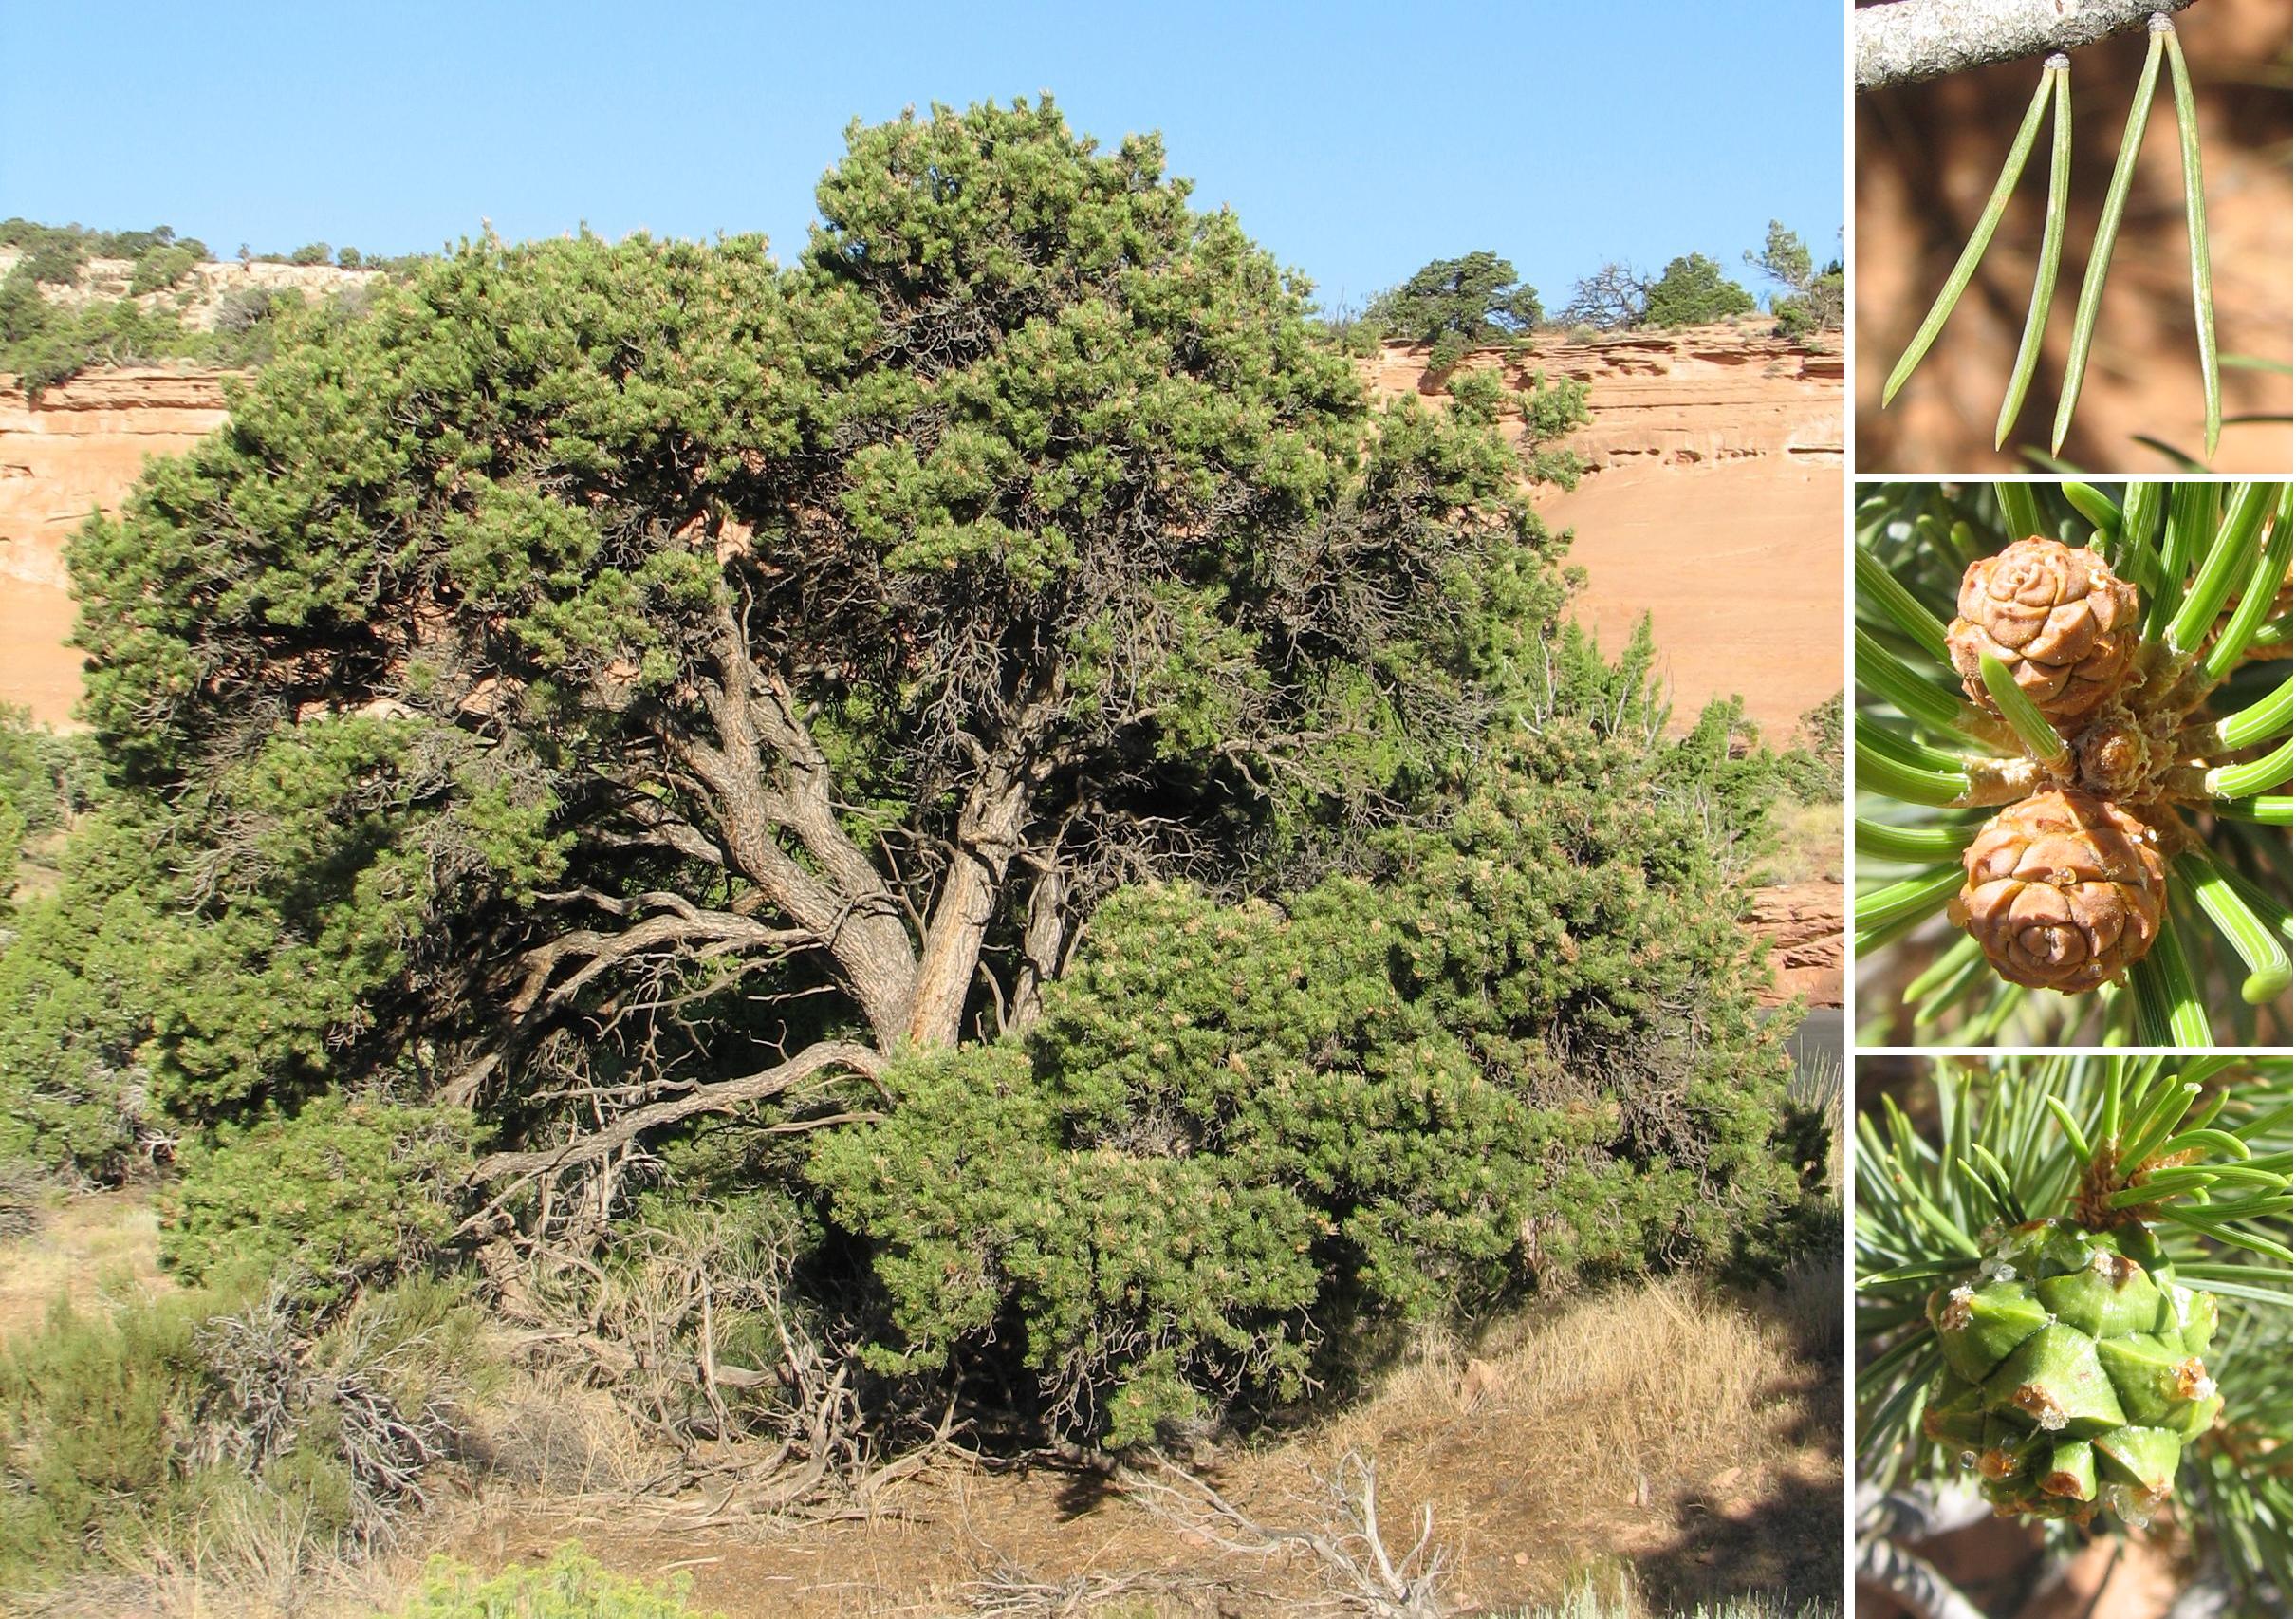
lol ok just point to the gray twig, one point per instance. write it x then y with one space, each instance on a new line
1909 40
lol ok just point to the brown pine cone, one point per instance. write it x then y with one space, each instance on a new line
2063 892
2058 618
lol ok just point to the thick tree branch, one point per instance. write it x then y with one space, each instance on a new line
843 901
721 1097
988 836
1911 40
1043 939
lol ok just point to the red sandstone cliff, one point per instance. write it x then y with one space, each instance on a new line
1712 501
79 448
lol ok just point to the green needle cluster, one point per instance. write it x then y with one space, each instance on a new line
2053 95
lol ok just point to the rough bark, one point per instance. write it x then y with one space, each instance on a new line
988 836
1908 41
1044 942
767 778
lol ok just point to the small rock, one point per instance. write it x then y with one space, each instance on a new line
1482 1378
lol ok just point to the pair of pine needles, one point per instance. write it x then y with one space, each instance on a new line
2055 95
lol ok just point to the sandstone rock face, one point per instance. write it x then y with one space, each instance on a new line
78 450
1802 924
1712 501
1699 397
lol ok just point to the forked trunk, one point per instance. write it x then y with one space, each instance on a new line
988 836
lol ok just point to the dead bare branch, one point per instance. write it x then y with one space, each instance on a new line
720 1097
1344 1539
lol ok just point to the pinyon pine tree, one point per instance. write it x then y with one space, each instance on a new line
651 731
1455 305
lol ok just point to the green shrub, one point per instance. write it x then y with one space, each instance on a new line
95 1415
344 1193
122 1440
55 261
45 778
1552 410
1692 291
1545 411
1813 767
572 1585
1523 1056
312 252
147 1429
161 269
79 985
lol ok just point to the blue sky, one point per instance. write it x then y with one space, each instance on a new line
1356 140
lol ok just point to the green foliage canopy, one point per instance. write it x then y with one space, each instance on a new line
584 605
1691 292
1456 303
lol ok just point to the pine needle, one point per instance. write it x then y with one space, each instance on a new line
2196 231
1965 270
2101 254
2053 243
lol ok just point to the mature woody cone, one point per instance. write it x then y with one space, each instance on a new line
2073 1371
2058 618
2063 892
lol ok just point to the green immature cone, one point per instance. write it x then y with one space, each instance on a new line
2073 1374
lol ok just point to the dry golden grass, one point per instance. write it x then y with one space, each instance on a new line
1659 1444
86 1248
1613 1427
1810 844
